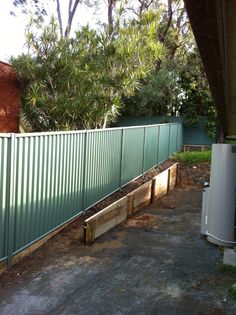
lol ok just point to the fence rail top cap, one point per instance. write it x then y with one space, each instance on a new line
51 133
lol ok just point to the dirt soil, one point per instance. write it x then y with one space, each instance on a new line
131 186
155 263
79 222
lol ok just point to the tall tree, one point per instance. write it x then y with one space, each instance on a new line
178 85
74 83
195 99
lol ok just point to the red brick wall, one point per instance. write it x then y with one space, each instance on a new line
10 94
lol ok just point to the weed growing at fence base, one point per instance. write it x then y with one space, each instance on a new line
193 157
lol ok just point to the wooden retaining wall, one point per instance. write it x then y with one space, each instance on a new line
127 206
115 213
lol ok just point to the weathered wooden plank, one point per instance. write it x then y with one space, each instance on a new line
173 176
125 207
3 266
161 185
142 196
153 190
130 205
89 232
106 219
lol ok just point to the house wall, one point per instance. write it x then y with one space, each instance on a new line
10 94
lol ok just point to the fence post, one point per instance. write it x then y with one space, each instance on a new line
144 149
168 180
177 138
158 143
84 171
182 135
11 198
169 141
121 154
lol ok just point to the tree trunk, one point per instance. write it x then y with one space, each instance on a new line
59 17
71 12
111 5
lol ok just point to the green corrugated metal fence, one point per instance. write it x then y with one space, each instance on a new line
195 134
46 179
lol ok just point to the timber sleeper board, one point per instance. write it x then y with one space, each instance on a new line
3 266
173 176
142 196
161 184
106 219
127 206
130 205
153 197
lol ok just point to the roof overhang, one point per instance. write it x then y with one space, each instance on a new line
214 28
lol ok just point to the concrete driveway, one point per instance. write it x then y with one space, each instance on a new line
154 263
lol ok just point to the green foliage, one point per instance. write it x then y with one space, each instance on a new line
156 95
232 291
79 82
193 157
178 84
196 98
230 270
145 66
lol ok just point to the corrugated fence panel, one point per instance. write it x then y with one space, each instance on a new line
164 140
180 137
47 179
191 134
103 159
173 138
49 173
132 161
4 147
151 147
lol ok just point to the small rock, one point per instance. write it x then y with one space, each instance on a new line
196 284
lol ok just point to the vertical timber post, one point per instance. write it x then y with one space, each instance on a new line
168 180
130 205
177 175
11 199
153 190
